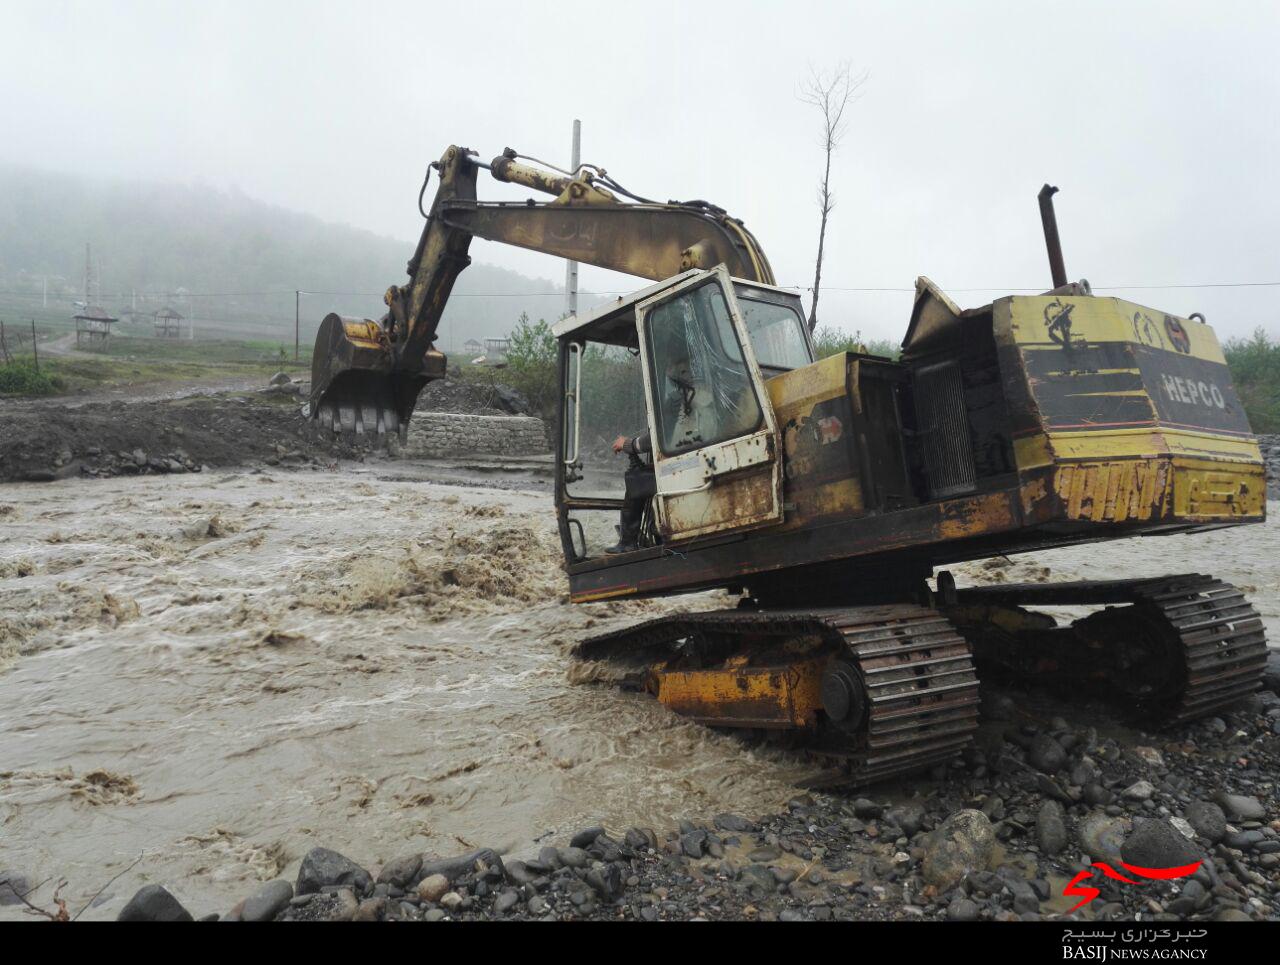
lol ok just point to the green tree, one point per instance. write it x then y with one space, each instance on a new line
1255 370
830 341
530 367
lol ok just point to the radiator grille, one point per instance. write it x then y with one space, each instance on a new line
944 426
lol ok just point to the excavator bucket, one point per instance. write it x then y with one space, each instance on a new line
356 392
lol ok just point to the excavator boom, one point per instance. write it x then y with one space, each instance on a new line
366 375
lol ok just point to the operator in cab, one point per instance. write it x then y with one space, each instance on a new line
688 416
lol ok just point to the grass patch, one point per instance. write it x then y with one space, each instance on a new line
204 351
22 378
133 360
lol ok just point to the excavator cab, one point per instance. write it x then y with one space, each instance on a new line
685 361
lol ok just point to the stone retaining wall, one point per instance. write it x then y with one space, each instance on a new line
454 434
1270 446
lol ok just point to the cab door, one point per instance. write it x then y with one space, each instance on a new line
714 439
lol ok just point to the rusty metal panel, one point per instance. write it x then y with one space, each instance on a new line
1113 492
1206 489
730 503
976 516
1106 364
821 478
744 696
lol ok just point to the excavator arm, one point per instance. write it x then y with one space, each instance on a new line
366 375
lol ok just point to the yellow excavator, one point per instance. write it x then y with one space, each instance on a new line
826 494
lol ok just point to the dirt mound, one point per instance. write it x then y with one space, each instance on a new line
49 440
471 398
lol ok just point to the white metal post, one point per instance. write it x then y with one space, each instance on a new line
571 267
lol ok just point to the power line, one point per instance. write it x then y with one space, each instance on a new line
560 294
1040 288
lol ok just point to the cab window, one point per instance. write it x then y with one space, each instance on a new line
777 333
702 389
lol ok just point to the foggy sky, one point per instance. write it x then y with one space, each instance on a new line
1159 122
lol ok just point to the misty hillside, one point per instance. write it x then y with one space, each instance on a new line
240 259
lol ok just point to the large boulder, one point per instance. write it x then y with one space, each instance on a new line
153 903
322 868
510 400
733 823
908 817
1207 820
400 872
1158 844
269 900
1101 837
1051 828
433 887
455 868
1239 807
1046 754
586 837
962 843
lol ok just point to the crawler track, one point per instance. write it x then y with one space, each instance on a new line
1220 638
1209 638
922 690
919 687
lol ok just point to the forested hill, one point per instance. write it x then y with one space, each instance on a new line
159 238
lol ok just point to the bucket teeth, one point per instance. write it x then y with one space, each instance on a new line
358 413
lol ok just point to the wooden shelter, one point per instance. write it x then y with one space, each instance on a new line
168 323
93 324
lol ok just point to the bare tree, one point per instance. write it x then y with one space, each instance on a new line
830 92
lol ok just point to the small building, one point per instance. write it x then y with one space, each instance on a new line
493 353
471 348
168 323
496 349
93 324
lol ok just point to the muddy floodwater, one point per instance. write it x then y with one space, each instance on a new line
202 677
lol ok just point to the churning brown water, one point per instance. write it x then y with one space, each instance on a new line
218 673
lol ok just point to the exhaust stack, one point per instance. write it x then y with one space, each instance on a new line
1051 240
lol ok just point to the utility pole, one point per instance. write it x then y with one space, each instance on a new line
297 313
44 294
571 267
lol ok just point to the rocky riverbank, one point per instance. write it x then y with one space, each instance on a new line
999 835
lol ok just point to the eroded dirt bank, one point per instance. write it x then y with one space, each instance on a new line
210 675
178 428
